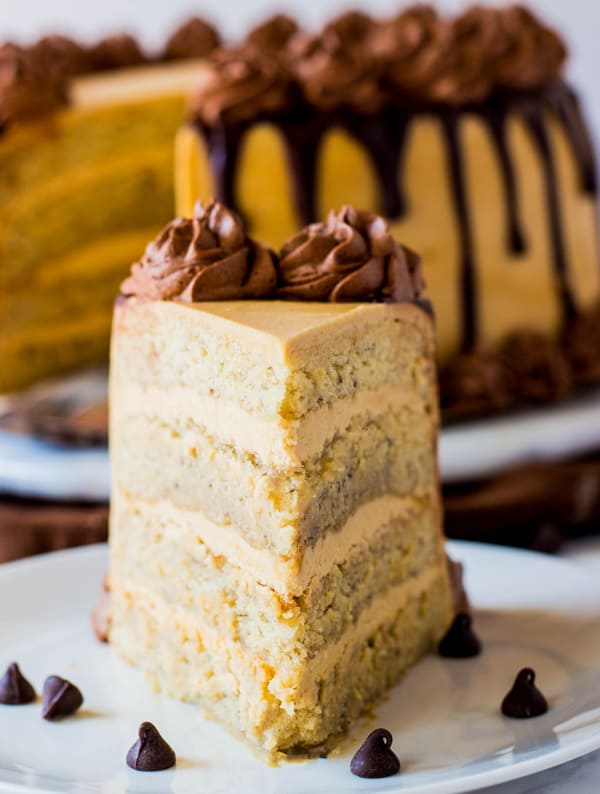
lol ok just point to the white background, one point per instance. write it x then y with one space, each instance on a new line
151 20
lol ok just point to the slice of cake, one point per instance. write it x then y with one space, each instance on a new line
463 133
86 136
276 552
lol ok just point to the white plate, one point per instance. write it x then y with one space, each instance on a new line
478 449
31 467
448 732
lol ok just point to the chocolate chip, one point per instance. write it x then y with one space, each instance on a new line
375 757
524 699
15 689
61 698
150 753
460 641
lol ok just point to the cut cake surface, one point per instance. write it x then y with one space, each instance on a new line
276 544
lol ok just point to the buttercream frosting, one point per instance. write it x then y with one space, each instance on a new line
350 257
116 52
274 34
194 39
205 258
27 88
241 83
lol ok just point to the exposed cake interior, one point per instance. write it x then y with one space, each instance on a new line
276 544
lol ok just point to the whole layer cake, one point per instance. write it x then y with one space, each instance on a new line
86 163
464 134
276 551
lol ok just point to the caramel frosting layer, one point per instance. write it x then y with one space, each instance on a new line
351 257
205 258
242 83
287 576
279 444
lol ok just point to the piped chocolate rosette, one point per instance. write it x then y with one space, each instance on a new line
352 256
34 80
207 257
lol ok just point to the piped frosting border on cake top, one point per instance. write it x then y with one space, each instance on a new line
34 80
350 257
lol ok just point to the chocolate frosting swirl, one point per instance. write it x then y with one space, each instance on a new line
242 83
333 74
514 49
194 39
413 48
350 257
28 89
116 52
274 34
526 368
464 59
353 28
62 55
205 258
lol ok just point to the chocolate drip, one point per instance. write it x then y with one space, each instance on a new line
536 123
384 137
450 125
302 141
223 145
496 120
565 104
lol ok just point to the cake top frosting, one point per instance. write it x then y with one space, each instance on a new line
22 74
351 257
355 60
242 82
365 63
193 39
34 80
207 257
274 34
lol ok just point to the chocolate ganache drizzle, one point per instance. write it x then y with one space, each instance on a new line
373 78
207 257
